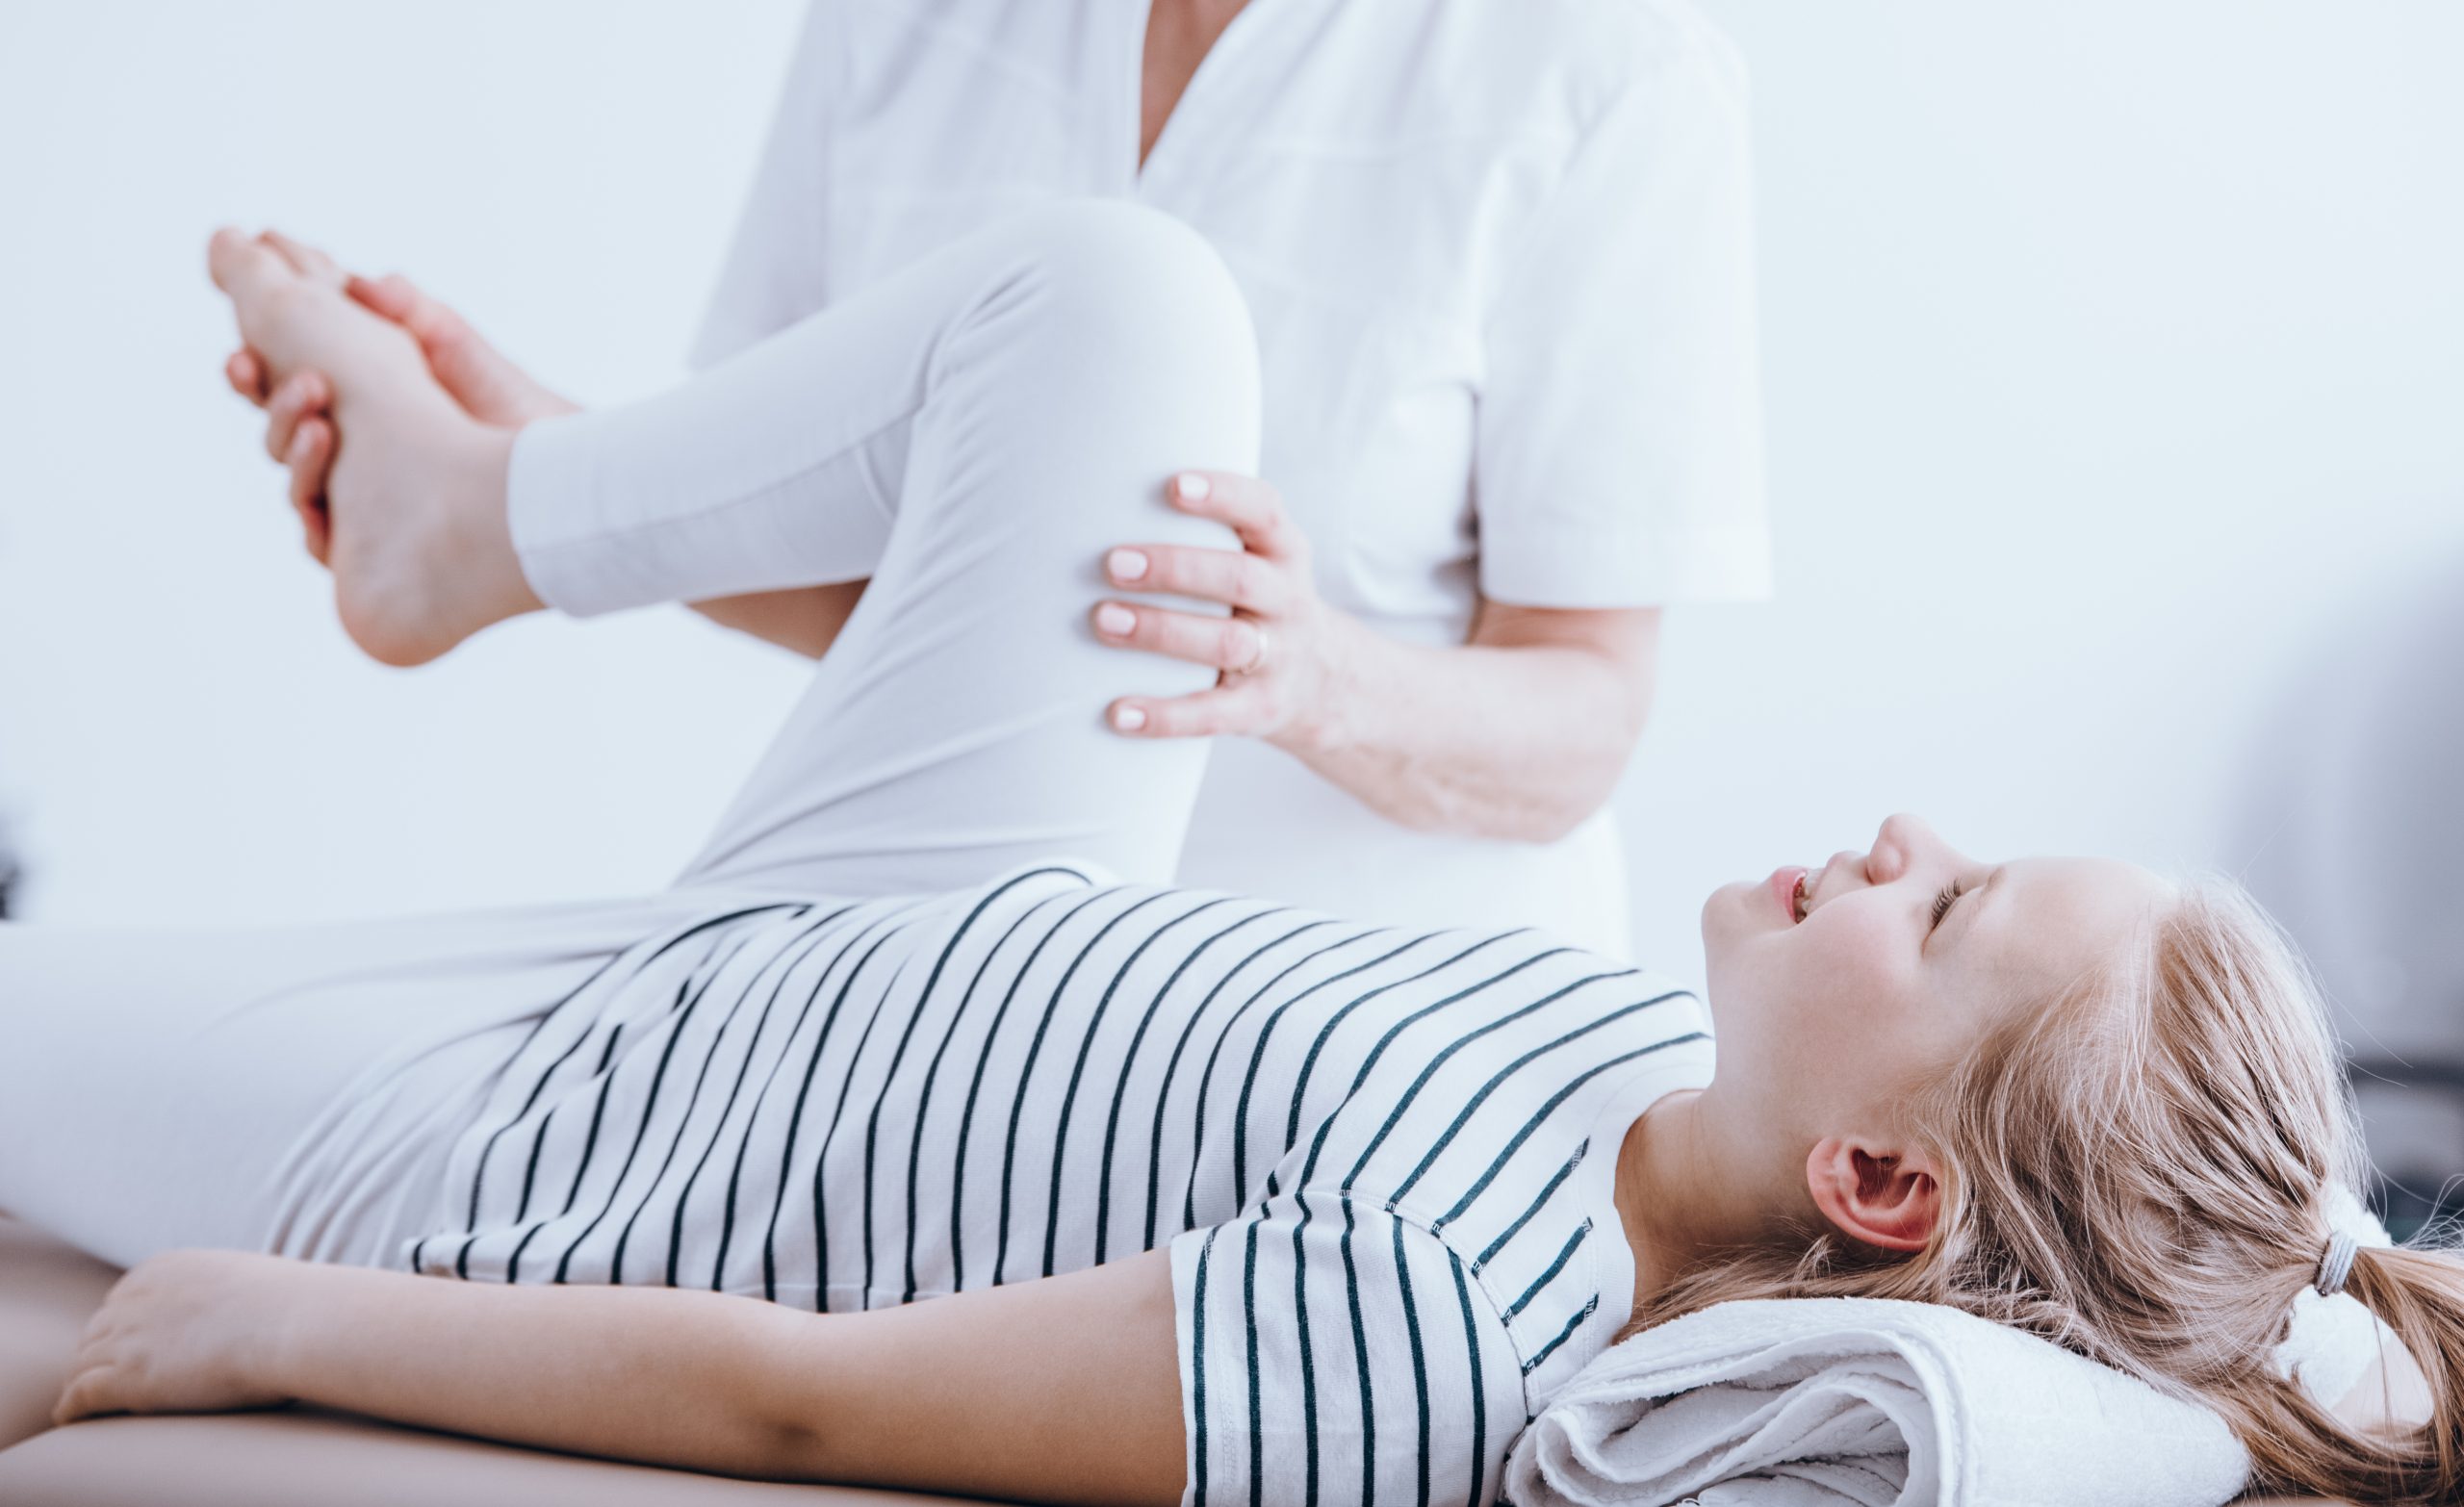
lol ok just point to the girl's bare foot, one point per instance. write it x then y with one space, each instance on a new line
421 550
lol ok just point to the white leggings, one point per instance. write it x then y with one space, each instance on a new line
971 434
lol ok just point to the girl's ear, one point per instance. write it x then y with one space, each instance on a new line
1883 1198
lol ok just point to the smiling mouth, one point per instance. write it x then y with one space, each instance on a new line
1787 888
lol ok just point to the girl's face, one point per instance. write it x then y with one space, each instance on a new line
1891 965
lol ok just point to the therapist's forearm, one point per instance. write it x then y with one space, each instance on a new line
803 619
1515 741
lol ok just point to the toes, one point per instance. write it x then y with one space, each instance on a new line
283 246
279 309
243 267
231 260
304 259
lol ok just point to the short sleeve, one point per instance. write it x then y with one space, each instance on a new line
1332 1352
770 278
1619 448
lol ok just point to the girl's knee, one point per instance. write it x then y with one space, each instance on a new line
1110 348
1132 257
1139 290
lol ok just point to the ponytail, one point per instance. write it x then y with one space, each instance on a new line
2297 1444
2145 1167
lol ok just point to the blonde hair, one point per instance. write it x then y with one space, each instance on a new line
2145 1172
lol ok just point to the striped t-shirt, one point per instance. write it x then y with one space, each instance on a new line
1381 1159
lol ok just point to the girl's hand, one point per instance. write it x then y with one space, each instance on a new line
1282 652
183 1332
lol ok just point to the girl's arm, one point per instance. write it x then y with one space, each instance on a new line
1064 1390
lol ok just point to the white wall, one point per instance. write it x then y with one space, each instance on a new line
184 728
2116 359
2116 364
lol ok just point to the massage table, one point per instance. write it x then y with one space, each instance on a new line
292 1457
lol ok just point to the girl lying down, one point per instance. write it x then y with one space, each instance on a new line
1214 1200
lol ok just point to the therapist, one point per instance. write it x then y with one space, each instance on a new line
1500 262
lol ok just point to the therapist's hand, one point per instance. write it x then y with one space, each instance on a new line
299 427
1281 652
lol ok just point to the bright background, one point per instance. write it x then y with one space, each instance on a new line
2115 356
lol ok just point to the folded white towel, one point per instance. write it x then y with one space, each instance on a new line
1827 1402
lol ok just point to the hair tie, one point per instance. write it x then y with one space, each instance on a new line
2335 1264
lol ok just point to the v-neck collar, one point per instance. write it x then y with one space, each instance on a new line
1205 83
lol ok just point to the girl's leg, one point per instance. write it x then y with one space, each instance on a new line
288 1089
972 433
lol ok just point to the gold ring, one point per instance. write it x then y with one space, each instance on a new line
1258 660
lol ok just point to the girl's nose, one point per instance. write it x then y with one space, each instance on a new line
1907 834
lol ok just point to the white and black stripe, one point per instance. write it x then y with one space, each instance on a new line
1368 1150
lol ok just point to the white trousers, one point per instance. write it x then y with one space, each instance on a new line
971 434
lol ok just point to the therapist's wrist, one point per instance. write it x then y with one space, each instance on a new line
1329 720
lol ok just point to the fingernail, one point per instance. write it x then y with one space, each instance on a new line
1190 486
1127 564
1115 619
1128 719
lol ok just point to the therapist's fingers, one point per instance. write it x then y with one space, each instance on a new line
310 457
1223 712
301 394
1251 582
1252 507
1220 643
247 375
310 263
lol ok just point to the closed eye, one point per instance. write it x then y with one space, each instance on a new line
1942 903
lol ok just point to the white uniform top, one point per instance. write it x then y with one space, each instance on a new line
1499 258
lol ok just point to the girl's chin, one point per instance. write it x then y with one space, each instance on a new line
1727 912
1740 903
1719 902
